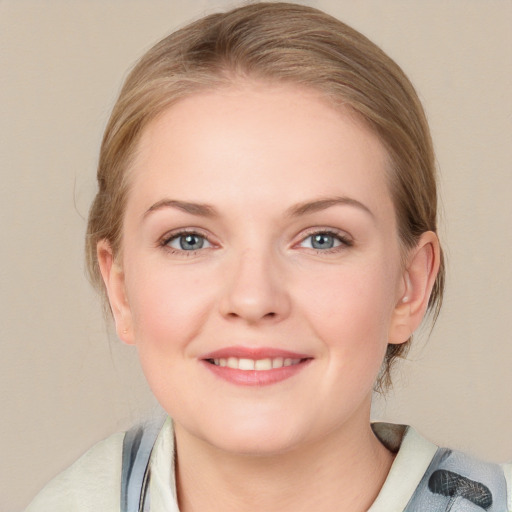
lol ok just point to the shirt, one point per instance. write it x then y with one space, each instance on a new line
92 483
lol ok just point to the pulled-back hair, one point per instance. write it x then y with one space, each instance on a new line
275 43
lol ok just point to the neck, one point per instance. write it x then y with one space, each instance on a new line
345 470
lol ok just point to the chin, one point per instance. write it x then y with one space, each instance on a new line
257 444
252 436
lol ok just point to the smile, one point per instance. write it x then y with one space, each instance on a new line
254 364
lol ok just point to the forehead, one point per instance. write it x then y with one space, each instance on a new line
261 138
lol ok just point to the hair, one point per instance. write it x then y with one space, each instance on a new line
275 43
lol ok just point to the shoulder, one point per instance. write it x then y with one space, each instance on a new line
507 470
92 483
456 476
426 477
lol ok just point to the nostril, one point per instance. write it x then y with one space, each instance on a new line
255 317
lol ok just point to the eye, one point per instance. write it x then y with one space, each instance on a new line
325 240
187 242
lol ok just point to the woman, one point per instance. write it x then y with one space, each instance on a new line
265 232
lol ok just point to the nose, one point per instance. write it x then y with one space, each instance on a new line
255 290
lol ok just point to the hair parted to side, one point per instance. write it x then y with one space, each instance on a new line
277 43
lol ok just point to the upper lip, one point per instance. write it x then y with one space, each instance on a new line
255 353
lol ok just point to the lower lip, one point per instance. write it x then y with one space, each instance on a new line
256 377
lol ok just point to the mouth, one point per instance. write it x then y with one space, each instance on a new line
255 367
244 364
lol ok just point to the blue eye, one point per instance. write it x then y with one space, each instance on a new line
324 241
188 242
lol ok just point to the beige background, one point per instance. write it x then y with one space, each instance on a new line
66 383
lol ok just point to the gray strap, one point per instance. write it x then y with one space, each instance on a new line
458 483
135 473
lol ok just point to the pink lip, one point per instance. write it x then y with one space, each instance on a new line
253 353
254 377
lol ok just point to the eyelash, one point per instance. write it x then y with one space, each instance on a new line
344 240
169 237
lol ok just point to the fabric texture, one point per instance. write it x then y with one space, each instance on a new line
89 485
94 481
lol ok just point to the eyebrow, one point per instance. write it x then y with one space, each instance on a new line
307 207
199 209
317 205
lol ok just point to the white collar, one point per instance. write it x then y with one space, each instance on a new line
413 456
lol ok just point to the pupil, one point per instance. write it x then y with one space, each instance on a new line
191 242
323 241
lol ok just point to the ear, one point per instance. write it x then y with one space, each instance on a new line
418 279
113 277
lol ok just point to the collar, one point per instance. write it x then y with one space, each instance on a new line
413 456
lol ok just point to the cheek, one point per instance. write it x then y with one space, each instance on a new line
351 307
167 305
350 311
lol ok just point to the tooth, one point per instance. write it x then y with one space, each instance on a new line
246 364
277 362
263 364
251 364
232 362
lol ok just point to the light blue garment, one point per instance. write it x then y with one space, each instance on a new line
136 473
453 482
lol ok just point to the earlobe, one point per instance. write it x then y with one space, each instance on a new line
418 279
113 277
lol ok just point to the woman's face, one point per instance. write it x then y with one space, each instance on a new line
260 269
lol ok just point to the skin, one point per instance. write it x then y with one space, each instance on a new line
254 153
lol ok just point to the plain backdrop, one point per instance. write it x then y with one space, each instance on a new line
65 382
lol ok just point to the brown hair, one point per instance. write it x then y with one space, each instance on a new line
277 42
